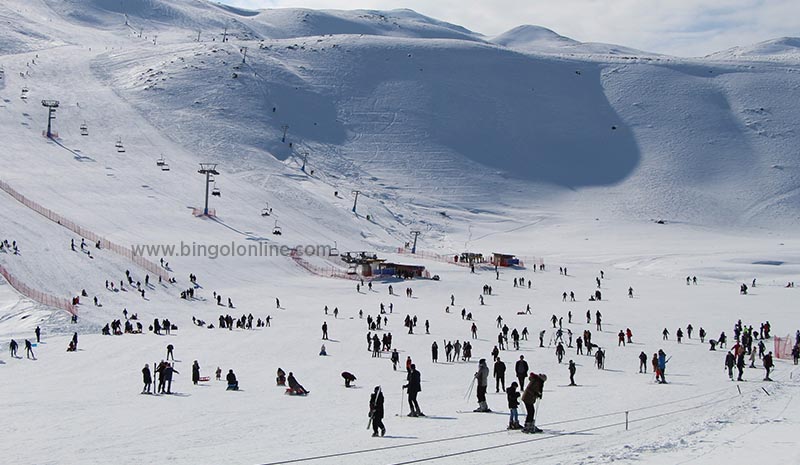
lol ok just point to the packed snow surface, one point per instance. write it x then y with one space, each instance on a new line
586 156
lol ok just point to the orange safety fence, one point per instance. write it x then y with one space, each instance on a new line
86 233
36 295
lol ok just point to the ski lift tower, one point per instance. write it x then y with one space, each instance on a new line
416 235
51 114
208 169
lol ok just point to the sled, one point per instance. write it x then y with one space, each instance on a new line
293 392
204 378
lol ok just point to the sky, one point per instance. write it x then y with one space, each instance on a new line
676 27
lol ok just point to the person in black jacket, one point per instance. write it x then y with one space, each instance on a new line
29 350
768 364
521 368
513 403
348 378
730 362
147 379
195 372
376 412
233 383
413 387
499 373
740 364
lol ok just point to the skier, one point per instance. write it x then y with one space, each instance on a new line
413 387
395 359
513 404
29 350
665 333
643 362
474 330
521 369
434 352
170 348
38 332
233 383
482 375
768 364
679 335
702 334
572 370
499 373
195 372
662 365
560 352
621 338
376 412
689 329
13 348
147 379
529 397
325 330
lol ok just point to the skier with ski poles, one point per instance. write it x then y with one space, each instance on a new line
482 375
413 387
532 393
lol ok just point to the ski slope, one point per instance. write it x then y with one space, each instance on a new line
482 144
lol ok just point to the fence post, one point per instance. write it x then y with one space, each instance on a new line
626 420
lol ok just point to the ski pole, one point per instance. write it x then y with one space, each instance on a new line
402 393
469 391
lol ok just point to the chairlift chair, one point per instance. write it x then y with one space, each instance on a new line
215 191
165 167
161 161
119 143
266 211
84 129
277 229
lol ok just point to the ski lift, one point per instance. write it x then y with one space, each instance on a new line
120 148
165 166
119 143
334 251
24 95
161 161
215 191
277 229
266 211
84 129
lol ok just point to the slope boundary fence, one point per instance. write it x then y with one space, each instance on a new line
94 238
36 295
324 271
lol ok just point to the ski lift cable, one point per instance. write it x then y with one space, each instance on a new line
473 435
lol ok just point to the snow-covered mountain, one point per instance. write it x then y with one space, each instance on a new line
786 49
529 143
537 39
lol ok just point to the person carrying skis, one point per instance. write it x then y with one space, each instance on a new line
529 397
513 404
482 375
413 387
376 412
